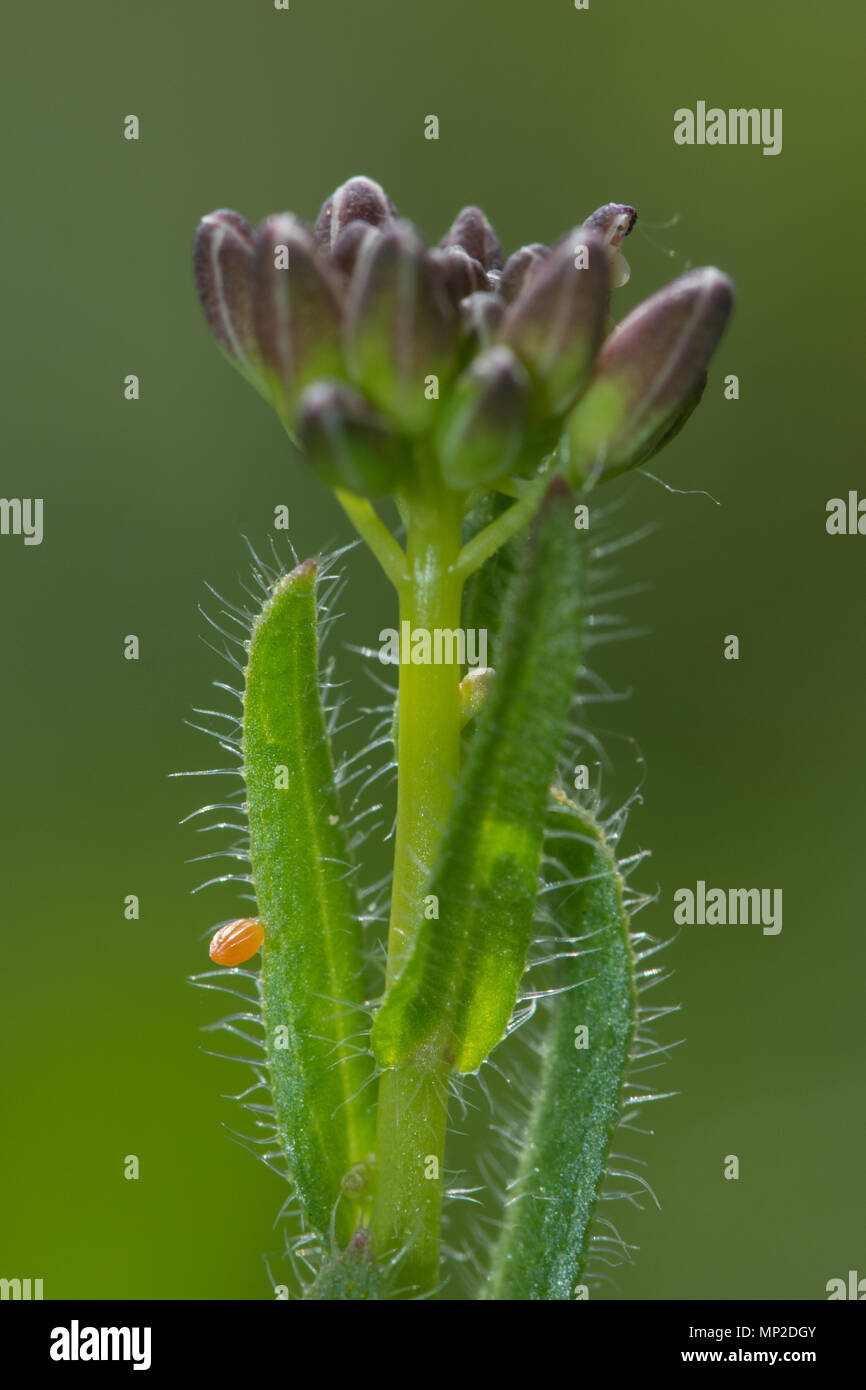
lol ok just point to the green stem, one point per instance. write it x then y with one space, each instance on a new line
428 751
412 1099
488 541
413 1103
509 487
373 530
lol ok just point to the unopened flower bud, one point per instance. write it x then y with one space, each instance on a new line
648 376
670 431
480 318
222 268
613 222
358 200
460 273
347 247
556 324
296 310
471 230
519 267
483 426
400 328
347 442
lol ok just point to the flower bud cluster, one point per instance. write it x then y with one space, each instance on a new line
381 354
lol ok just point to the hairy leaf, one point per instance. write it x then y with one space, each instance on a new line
311 963
543 1246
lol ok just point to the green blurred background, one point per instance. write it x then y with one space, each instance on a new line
755 768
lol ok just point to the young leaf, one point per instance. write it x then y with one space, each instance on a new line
453 999
543 1246
311 960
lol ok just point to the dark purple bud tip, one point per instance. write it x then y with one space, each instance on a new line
471 230
359 200
222 269
612 223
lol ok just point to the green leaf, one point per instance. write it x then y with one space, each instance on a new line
543 1246
454 998
311 978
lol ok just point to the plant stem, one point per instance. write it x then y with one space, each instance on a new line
373 530
488 541
413 1096
428 750
412 1109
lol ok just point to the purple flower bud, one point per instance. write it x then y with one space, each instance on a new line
482 428
358 200
460 273
649 376
347 247
557 322
361 298
480 318
613 222
519 267
222 267
296 310
400 328
347 442
471 230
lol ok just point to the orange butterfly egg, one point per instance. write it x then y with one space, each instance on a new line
237 941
